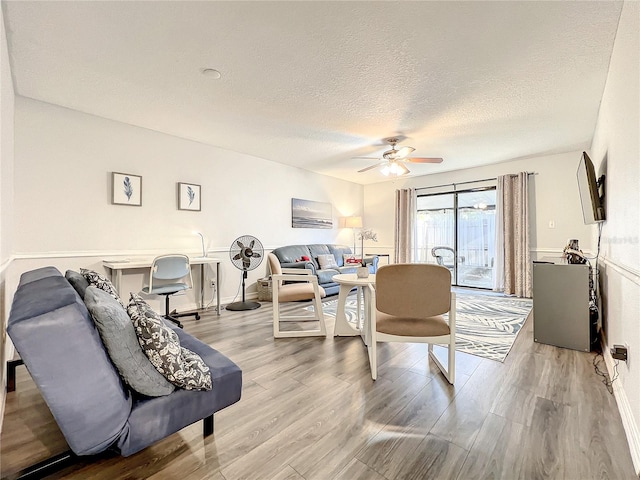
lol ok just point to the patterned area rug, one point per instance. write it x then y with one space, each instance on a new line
486 325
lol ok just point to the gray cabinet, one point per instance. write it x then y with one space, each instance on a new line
561 304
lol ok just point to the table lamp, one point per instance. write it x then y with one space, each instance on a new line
353 223
204 252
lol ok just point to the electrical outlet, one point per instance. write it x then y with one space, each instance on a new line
619 352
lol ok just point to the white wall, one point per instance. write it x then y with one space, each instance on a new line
6 192
63 163
616 152
553 197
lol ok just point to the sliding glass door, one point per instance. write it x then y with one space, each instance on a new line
457 230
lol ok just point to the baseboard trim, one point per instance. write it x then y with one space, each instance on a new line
626 414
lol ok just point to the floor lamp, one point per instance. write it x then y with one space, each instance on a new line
353 223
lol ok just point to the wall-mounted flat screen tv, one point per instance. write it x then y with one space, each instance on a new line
592 205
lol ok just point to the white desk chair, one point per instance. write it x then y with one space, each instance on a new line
165 277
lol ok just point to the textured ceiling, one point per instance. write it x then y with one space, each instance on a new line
313 84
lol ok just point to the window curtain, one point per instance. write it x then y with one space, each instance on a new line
405 225
513 211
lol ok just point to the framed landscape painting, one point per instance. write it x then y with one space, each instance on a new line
189 197
126 189
310 214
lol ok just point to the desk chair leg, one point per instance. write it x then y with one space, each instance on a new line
167 315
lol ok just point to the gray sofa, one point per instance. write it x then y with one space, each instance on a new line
56 338
290 257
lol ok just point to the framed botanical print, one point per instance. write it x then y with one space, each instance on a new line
126 189
189 197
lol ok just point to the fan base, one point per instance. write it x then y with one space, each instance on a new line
240 306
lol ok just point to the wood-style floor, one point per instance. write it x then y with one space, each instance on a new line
310 410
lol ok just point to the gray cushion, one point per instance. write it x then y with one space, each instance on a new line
121 342
52 330
318 249
348 269
77 281
103 283
160 343
291 253
326 276
339 251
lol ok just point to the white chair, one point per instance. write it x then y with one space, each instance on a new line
165 278
301 285
411 300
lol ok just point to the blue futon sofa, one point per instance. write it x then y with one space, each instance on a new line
56 338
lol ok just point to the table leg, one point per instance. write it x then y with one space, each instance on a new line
370 309
342 327
359 321
201 286
218 288
117 279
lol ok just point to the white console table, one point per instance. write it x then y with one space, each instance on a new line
118 267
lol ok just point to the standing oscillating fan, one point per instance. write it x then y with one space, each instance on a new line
246 254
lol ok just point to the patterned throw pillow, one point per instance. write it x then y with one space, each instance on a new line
352 260
327 261
100 281
182 367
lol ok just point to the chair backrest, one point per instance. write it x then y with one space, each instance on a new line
443 255
416 290
275 268
274 264
170 267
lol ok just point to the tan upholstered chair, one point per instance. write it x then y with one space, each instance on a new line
411 300
305 287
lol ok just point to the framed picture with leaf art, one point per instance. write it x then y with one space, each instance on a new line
126 189
189 197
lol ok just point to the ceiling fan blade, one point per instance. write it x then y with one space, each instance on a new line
423 160
403 152
366 158
371 167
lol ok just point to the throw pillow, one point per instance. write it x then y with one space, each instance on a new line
352 260
327 261
77 281
120 340
103 283
182 367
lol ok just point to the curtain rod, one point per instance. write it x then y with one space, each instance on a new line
471 181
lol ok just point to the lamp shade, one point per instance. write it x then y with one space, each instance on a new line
353 222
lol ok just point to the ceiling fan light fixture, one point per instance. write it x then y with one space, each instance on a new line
395 169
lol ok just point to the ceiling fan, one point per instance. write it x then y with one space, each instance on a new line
393 160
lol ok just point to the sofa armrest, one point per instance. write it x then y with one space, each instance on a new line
372 261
